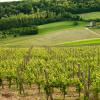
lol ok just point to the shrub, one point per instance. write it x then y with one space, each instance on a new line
3 35
75 23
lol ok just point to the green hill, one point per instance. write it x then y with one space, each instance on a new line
52 35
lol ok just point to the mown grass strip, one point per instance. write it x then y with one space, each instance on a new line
95 41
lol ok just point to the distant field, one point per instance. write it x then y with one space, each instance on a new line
91 41
95 41
50 39
53 34
58 26
90 16
49 34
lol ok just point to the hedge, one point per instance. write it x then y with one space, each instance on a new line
21 31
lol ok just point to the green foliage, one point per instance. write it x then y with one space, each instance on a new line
27 66
15 22
3 35
25 7
24 20
22 31
75 23
56 6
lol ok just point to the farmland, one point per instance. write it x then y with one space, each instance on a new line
50 72
53 34
90 16
50 50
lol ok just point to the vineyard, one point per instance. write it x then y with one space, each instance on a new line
51 73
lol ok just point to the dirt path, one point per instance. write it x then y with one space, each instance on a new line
92 32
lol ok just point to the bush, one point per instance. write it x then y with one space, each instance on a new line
75 23
3 35
22 31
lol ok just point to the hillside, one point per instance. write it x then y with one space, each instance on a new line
90 16
53 34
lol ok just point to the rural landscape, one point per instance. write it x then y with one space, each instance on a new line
49 49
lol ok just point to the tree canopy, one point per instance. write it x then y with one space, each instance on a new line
58 6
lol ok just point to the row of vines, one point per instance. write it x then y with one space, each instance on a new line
51 68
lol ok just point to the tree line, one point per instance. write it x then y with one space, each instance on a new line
56 6
25 24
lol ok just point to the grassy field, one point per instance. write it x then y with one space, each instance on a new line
95 41
92 41
53 34
90 16
58 26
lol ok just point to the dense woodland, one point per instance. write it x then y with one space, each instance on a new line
56 6
30 13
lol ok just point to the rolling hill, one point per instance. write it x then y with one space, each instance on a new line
52 35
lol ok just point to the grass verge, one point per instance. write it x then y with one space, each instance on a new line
95 41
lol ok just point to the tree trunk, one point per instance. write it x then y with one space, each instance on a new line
1 83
